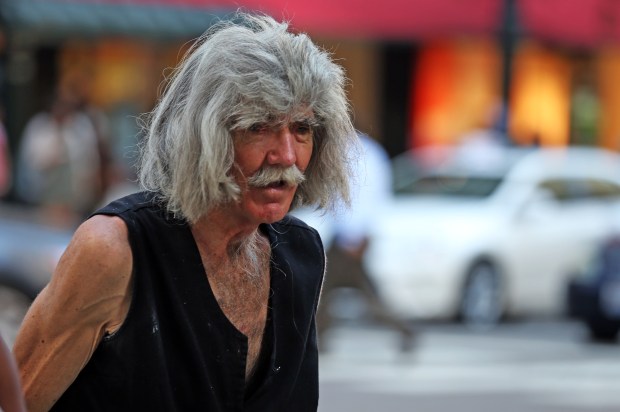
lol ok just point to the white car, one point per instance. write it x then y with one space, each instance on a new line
482 234
29 252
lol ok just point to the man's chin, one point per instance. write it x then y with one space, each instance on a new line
273 217
272 213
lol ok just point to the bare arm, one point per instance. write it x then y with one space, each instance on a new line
87 297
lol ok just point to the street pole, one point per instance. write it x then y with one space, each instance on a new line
508 39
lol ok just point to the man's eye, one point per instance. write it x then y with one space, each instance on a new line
301 128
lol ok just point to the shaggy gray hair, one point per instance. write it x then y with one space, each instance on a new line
244 71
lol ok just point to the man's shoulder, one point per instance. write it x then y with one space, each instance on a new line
297 250
297 234
131 202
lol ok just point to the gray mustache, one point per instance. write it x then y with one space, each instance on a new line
272 174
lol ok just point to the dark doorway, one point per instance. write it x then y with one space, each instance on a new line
398 60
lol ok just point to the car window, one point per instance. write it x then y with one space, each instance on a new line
601 188
450 185
565 190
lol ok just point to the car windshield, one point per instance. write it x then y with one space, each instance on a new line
449 171
450 185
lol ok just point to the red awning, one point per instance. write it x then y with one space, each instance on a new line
387 18
400 19
584 23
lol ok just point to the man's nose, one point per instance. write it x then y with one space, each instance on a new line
283 150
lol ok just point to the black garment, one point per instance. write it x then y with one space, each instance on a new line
177 351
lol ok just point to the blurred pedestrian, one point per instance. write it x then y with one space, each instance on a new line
199 293
11 396
5 162
349 230
79 83
59 162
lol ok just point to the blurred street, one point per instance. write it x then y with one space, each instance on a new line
530 366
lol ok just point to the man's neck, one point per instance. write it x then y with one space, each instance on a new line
218 233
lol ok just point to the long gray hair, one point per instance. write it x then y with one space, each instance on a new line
242 71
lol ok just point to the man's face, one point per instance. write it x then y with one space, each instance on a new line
280 146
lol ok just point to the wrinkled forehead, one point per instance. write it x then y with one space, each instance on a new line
251 115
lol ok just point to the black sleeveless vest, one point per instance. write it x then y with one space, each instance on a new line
177 351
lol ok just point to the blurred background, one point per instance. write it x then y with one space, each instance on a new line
488 275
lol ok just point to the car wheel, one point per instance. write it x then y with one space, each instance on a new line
603 330
13 308
481 301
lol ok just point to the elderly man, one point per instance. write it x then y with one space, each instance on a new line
199 293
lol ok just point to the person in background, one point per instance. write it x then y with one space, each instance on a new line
59 162
200 293
349 231
5 162
11 396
